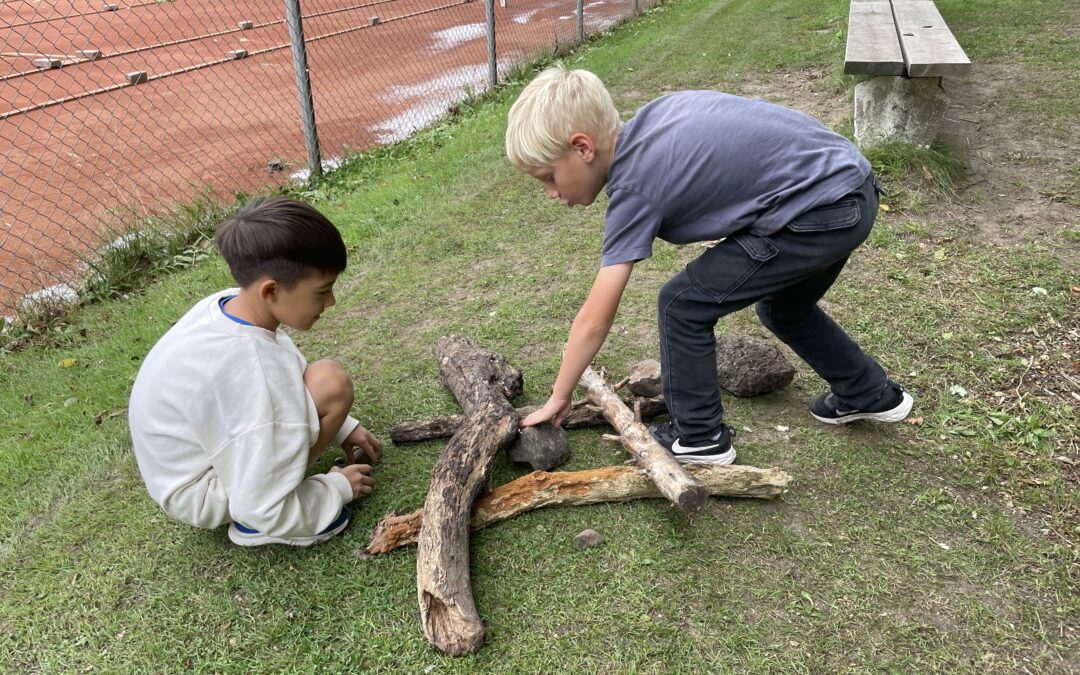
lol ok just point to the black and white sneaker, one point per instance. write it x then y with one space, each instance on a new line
717 451
894 406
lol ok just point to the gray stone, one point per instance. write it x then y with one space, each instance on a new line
543 447
91 54
236 54
645 378
136 77
46 63
749 366
588 539
244 25
899 109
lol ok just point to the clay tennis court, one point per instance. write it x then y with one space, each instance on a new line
86 152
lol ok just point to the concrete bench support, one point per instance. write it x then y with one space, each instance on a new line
907 109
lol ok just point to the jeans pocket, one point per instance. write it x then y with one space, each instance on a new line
835 216
760 249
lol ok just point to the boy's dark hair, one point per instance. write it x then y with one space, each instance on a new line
281 238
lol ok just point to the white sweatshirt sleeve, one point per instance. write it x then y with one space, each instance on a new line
264 477
347 428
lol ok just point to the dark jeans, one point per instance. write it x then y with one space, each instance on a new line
785 274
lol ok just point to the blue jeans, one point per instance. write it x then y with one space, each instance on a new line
785 273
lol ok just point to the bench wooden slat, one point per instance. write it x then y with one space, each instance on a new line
929 48
872 45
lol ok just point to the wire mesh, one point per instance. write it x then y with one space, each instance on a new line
111 111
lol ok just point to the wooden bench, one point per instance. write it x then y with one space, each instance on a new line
906 47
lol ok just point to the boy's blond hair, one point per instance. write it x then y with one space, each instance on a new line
557 104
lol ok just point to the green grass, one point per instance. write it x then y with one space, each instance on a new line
948 547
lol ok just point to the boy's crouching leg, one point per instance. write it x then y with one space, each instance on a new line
332 390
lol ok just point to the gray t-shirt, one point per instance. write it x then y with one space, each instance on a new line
702 165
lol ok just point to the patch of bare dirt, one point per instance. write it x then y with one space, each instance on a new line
1020 180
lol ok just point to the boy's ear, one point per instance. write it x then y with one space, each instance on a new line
584 145
267 289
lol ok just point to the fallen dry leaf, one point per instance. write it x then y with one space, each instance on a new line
914 421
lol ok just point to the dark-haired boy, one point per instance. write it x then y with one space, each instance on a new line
227 415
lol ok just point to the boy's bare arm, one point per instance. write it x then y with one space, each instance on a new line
587 335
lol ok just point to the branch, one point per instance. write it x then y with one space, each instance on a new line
542 489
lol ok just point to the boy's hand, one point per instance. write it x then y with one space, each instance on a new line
359 476
363 440
555 410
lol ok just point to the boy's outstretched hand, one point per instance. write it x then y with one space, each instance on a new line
359 476
365 442
555 410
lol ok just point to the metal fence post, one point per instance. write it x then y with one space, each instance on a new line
493 66
303 87
580 20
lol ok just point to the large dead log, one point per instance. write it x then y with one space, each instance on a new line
672 480
482 382
578 417
541 489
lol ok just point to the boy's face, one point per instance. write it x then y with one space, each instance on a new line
577 177
299 307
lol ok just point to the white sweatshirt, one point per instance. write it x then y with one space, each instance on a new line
222 423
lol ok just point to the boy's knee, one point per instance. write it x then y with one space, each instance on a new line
785 317
764 312
667 295
330 386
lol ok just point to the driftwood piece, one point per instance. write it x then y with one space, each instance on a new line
541 489
482 382
672 480
577 418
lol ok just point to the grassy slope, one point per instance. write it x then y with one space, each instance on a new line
893 551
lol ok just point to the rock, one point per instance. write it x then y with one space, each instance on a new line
588 539
645 379
749 366
899 109
542 446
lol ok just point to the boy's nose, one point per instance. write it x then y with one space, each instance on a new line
551 192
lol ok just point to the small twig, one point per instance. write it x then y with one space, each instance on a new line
1020 382
611 437
637 410
621 383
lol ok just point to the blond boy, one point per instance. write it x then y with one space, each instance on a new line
789 198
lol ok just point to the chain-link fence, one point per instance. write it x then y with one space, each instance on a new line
112 110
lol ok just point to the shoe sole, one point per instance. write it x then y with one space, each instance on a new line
722 459
897 414
240 539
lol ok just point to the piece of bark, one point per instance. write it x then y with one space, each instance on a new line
481 381
541 489
684 491
577 418
644 378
